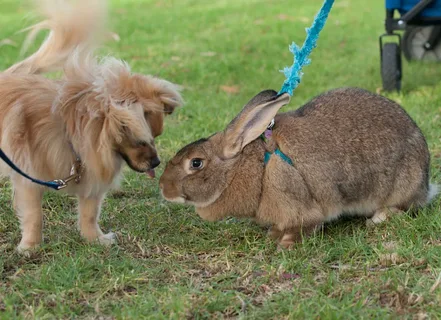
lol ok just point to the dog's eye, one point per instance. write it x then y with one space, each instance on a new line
196 163
142 143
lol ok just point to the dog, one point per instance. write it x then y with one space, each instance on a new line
96 117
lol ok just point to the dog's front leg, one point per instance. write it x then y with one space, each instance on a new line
89 212
27 205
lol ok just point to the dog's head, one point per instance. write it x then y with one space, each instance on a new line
120 114
136 116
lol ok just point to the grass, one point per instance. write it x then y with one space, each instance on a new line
169 263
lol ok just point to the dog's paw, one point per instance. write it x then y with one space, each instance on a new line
25 249
107 239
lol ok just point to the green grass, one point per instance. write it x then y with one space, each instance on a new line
169 263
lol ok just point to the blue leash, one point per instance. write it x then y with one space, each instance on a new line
56 184
294 73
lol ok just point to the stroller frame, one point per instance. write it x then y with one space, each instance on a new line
390 53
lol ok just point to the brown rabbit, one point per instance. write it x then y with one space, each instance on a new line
345 151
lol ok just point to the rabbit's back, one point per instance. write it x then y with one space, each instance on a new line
356 151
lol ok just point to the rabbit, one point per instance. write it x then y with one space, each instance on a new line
345 151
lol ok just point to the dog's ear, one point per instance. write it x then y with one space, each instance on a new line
169 95
157 94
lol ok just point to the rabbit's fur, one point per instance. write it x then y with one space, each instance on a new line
353 151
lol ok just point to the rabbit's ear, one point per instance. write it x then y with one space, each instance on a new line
252 121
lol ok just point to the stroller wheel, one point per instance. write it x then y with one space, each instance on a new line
417 44
391 67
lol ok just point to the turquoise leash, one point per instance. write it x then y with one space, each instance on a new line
294 73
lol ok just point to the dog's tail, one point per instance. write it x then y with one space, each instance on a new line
77 26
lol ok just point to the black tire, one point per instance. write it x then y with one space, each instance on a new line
413 45
391 71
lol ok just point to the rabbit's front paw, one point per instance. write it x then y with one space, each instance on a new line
287 241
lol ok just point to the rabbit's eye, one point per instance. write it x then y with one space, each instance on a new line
196 163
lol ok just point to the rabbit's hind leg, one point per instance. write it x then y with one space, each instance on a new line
399 202
382 215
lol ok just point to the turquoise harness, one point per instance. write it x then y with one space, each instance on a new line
267 135
283 156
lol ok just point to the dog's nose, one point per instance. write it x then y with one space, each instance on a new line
154 162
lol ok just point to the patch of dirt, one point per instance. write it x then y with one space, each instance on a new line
274 282
399 299
230 89
138 249
390 259
120 194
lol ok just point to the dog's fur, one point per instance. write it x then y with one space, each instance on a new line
99 111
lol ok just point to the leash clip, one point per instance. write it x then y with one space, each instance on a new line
76 171
75 174
271 125
61 183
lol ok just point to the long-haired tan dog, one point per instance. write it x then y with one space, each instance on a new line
100 113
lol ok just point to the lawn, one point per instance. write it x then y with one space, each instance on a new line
168 263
